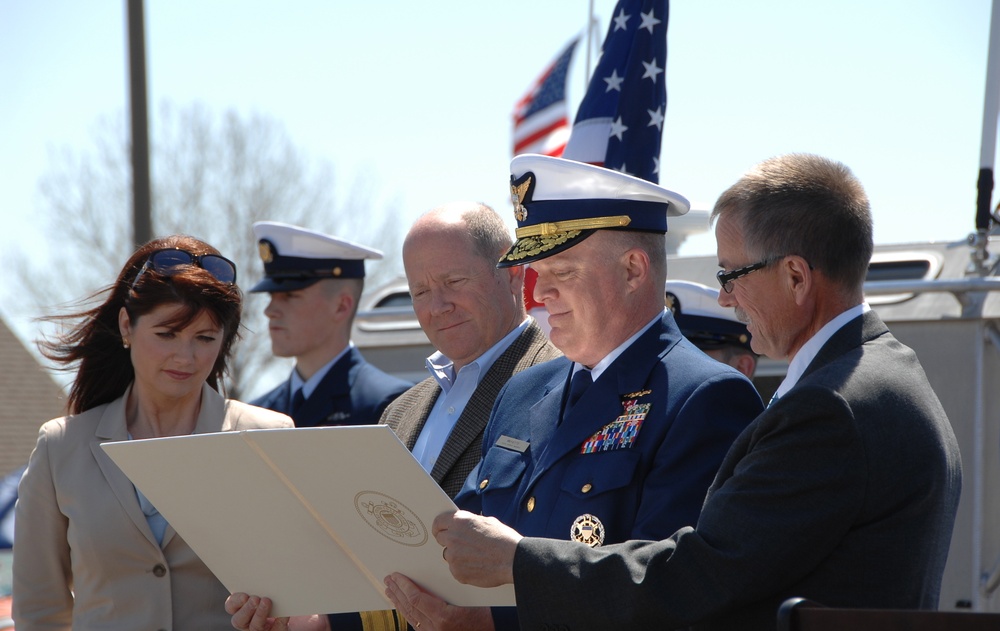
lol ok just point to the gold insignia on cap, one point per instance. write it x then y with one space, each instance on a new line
337 271
266 251
587 529
672 303
517 193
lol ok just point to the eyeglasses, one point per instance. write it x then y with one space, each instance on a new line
167 261
726 278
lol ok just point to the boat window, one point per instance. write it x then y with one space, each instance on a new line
900 266
398 299
898 270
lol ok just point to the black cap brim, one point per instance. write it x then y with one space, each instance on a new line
285 284
708 333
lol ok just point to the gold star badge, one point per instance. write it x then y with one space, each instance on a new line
265 251
672 303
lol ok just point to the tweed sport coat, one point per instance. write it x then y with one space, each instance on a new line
407 414
844 491
85 557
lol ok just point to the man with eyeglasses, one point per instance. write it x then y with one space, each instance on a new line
843 491
621 438
315 281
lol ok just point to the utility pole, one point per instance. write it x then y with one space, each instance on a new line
142 230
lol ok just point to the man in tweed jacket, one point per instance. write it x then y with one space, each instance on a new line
474 314
460 453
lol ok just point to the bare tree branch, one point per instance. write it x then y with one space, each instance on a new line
213 177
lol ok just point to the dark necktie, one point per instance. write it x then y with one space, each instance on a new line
297 402
577 386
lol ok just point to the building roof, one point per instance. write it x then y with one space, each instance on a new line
29 396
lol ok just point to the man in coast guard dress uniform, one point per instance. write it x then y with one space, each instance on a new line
633 454
315 281
843 491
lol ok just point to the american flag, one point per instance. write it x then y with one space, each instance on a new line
535 309
620 121
541 120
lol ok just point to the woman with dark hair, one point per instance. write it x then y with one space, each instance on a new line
91 551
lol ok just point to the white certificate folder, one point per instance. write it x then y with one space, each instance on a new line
313 518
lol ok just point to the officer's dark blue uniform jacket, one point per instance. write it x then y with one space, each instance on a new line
537 476
353 392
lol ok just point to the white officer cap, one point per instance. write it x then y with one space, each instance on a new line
702 319
295 257
559 202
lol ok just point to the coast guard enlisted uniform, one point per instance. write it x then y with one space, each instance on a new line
702 319
633 456
352 391
711 327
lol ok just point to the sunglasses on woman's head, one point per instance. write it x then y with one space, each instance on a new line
168 260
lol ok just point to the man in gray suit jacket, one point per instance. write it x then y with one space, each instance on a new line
844 490
460 452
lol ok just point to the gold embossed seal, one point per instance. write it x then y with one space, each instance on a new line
390 518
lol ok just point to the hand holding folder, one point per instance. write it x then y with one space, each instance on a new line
314 518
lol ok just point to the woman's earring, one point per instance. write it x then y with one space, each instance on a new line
125 343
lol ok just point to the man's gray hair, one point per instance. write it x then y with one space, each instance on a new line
805 205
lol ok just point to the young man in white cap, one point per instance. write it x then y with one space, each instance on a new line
632 454
710 326
315 281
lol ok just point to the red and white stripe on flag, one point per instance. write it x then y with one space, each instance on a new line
535 308
541 119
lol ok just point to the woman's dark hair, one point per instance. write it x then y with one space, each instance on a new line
95 344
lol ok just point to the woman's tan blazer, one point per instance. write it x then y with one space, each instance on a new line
84 555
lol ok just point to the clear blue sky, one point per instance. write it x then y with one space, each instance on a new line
418 95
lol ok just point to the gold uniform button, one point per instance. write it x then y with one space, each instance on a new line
586 488
531 504
484 483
